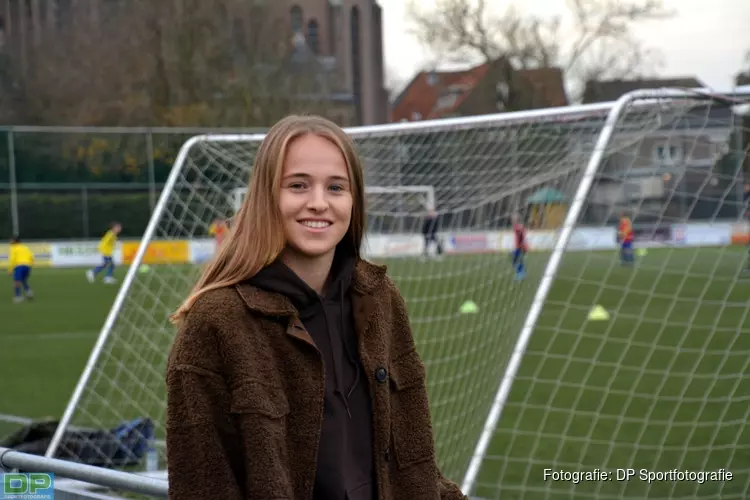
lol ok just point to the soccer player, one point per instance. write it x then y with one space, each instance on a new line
746 199
521 247
107 250
429 231
218 229
625 237
20 262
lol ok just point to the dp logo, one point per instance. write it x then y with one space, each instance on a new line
22 486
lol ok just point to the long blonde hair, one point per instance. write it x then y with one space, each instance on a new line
256 237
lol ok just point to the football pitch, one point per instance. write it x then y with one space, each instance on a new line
663 384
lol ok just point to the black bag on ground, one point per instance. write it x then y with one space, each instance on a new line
123 445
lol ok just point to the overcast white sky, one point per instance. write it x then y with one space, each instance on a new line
706 39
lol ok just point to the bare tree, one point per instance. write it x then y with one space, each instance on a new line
172 62
743 77
594 41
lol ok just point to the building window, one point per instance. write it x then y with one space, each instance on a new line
449 96
312 36
334 14
296 18
667 154
356 63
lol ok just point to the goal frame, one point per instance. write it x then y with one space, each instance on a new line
613 112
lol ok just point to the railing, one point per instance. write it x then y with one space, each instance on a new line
111 479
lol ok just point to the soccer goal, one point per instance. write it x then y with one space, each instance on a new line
592 377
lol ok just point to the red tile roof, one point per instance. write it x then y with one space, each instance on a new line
418 100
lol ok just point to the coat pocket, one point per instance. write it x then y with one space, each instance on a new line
256 398
260 414
410 413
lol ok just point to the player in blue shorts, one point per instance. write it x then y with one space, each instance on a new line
107 250
520 248
626 236
20 262
746 200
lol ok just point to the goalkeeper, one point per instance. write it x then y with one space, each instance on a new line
429 231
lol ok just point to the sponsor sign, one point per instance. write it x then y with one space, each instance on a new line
158 252
403 246
679 234
469 243
202 250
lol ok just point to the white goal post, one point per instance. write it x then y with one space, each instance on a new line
639 365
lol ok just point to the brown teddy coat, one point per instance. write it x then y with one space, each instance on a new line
245 397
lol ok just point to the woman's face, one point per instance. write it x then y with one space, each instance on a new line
316 197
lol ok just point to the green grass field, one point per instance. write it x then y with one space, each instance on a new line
663 384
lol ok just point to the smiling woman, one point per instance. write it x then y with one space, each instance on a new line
316 206
291 344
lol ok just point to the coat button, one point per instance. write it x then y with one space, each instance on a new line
381 375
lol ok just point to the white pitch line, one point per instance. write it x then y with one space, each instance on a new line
14 419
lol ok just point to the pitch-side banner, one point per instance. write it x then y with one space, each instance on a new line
741 233
158 252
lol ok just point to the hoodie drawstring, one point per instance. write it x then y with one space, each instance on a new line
336 368
352 360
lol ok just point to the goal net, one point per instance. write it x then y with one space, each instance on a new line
582 363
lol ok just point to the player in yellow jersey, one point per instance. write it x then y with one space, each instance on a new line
107 250
20 262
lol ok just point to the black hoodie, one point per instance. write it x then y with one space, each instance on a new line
345 456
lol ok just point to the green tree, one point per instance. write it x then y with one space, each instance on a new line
172 62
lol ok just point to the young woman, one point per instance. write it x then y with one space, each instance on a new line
294 374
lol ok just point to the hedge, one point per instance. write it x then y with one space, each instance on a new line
49 216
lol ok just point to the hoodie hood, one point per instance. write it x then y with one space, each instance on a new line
279 278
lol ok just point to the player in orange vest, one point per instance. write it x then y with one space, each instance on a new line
218 230
625 237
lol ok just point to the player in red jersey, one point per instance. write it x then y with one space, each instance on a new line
520 248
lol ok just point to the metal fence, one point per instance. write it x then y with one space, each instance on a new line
71 182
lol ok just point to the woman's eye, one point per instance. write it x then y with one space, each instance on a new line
337 188
297 185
